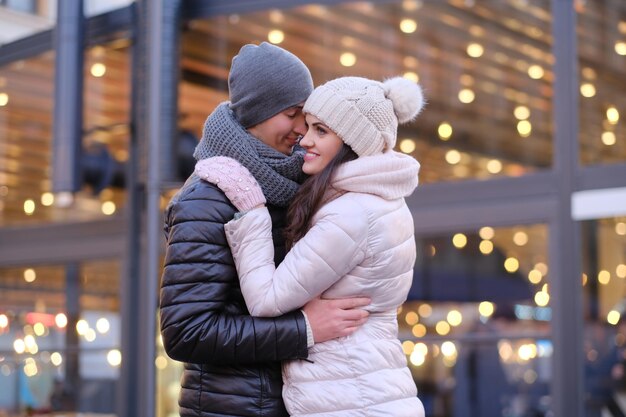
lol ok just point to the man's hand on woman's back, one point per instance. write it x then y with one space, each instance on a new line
330 319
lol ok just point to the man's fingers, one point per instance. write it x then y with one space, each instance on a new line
354 314
350 303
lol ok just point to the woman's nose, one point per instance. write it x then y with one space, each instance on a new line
305 141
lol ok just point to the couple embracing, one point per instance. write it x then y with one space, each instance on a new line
290 248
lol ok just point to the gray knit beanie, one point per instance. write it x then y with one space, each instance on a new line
265 80
365 113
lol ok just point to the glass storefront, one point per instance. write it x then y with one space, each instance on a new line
602 64
60 337
26 111
476 327
604 274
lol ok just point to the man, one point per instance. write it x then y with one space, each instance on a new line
232 360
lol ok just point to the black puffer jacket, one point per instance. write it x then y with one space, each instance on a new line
232 360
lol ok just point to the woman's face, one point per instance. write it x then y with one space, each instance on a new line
321 145
282 130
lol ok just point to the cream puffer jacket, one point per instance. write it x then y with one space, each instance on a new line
360 243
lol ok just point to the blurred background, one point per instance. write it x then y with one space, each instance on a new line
520 217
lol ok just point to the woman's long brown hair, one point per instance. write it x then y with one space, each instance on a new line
309 197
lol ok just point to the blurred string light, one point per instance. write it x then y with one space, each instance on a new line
425 310
30 275
534 276
417 359
620 271
60 320
612 115
521 112
620 228
448 349
407 145
511 264
56 359
276 16
613 317
604 277
475 50
486 233
160 362
535 72
103 325
108 208
494 166
4 321
442 328
98 69
459 240
411 5
410 62
486 308
411 76
466 96
114 357
609 138
276 36
81 327
39 329
485 247
4 99
408 25
542 298
29 207
620 48
47 199
411 318
542 267
524 128
30 367
419 330
587 90
520 238
453 157
19 346
407 347
454 317
445 131
347 59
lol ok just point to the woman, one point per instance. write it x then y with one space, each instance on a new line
350 234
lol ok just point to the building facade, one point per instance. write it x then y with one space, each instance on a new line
520 217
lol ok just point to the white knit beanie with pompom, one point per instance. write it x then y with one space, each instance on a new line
365 113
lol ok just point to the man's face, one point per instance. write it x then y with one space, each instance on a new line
282 130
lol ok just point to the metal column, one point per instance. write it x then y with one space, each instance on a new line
154 122
68 96
564 240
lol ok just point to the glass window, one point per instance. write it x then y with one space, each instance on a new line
26 111
486 68
476 327
602 61
59 338
604 285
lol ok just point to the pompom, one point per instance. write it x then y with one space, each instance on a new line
406 96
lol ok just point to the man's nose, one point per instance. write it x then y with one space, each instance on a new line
300 125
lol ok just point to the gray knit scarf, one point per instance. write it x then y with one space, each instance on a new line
278 175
